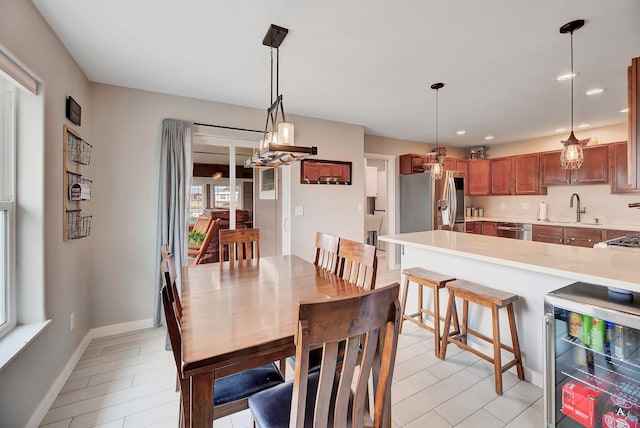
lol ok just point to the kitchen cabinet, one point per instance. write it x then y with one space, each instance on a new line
455 164
594 169
501 176
372 181
413 163
613 234
479 177
489 228
526 175
550 234
634 118
582 237
473 227
618 166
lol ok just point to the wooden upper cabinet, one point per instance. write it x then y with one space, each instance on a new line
526 175
618 168
501 176
594 169
413 163
450 164
551 170
479 177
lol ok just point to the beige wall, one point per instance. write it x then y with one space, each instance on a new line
62 267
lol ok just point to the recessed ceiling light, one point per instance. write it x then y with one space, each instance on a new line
584 125
488 137
566 76
560 130
595 91
461 132
624 110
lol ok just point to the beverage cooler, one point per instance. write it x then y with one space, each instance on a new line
592 360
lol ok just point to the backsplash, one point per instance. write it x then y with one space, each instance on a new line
597 199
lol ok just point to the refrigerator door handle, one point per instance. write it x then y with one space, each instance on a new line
454 202
549 376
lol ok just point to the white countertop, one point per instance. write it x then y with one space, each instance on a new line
604 266
590 225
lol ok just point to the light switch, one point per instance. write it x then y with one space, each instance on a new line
298 211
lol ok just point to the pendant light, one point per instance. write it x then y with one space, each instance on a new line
436 167
572 155
276 131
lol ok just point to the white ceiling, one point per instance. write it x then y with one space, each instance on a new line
370 62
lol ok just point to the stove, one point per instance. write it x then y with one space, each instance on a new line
625 241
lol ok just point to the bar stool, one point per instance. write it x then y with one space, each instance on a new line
435 281
494 300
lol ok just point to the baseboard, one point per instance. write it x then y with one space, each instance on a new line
55 389
124 327
47 401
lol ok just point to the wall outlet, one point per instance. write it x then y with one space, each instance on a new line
502 205
524 206
72 321
298 211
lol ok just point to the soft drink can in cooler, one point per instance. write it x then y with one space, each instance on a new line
575 325
587 323
598 332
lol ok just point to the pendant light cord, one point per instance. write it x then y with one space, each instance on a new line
572 78
271 79
437 90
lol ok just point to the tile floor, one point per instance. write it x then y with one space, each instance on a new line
128 380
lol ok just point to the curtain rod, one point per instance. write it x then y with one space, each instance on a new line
228 127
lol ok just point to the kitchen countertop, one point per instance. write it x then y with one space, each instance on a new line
603 266
589 225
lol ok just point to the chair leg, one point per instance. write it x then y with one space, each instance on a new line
497 360
405 289
465 320
515 342
420 302
436 318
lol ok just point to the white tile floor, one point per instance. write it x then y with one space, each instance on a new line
128 380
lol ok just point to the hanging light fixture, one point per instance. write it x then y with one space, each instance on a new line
436 167
572 155
277 144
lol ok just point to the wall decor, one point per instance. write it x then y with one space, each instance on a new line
74 111
76 188
316 171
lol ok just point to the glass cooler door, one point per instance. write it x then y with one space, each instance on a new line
592 358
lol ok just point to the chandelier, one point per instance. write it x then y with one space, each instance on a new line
436 166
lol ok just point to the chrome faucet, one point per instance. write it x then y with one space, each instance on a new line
578 210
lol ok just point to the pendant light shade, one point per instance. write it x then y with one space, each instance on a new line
436 167
572 154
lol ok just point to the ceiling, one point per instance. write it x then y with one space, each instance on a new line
370 62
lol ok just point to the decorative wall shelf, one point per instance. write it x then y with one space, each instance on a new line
76 188
275 155
316 171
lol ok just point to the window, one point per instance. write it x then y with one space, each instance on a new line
7 186
207 193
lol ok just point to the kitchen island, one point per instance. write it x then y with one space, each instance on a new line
528 269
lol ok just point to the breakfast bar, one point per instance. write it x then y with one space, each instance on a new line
528 269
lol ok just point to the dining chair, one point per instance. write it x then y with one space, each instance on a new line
241 244
357 263
168 269
199 255
326 252
230 392
201 225
369 324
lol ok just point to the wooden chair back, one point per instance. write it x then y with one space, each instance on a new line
241 244
201 251
326 252
357 263
369 323
168 269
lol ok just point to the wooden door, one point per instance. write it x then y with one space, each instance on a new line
582 237
501 176
490 228
551 170
594 169
550 234
526 175
479 177
618 165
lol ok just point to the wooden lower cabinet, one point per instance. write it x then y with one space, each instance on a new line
613 234
550 234
474 227
489 228
582 237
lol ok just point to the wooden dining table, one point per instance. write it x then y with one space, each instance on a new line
239 318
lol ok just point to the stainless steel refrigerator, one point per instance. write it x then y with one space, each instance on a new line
427 204
592 357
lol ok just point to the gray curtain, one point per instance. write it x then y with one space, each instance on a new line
174 191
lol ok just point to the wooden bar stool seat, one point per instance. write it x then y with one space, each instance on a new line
494 300
435 281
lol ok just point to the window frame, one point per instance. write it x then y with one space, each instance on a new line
7 205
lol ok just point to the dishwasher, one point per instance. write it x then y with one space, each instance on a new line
521 231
